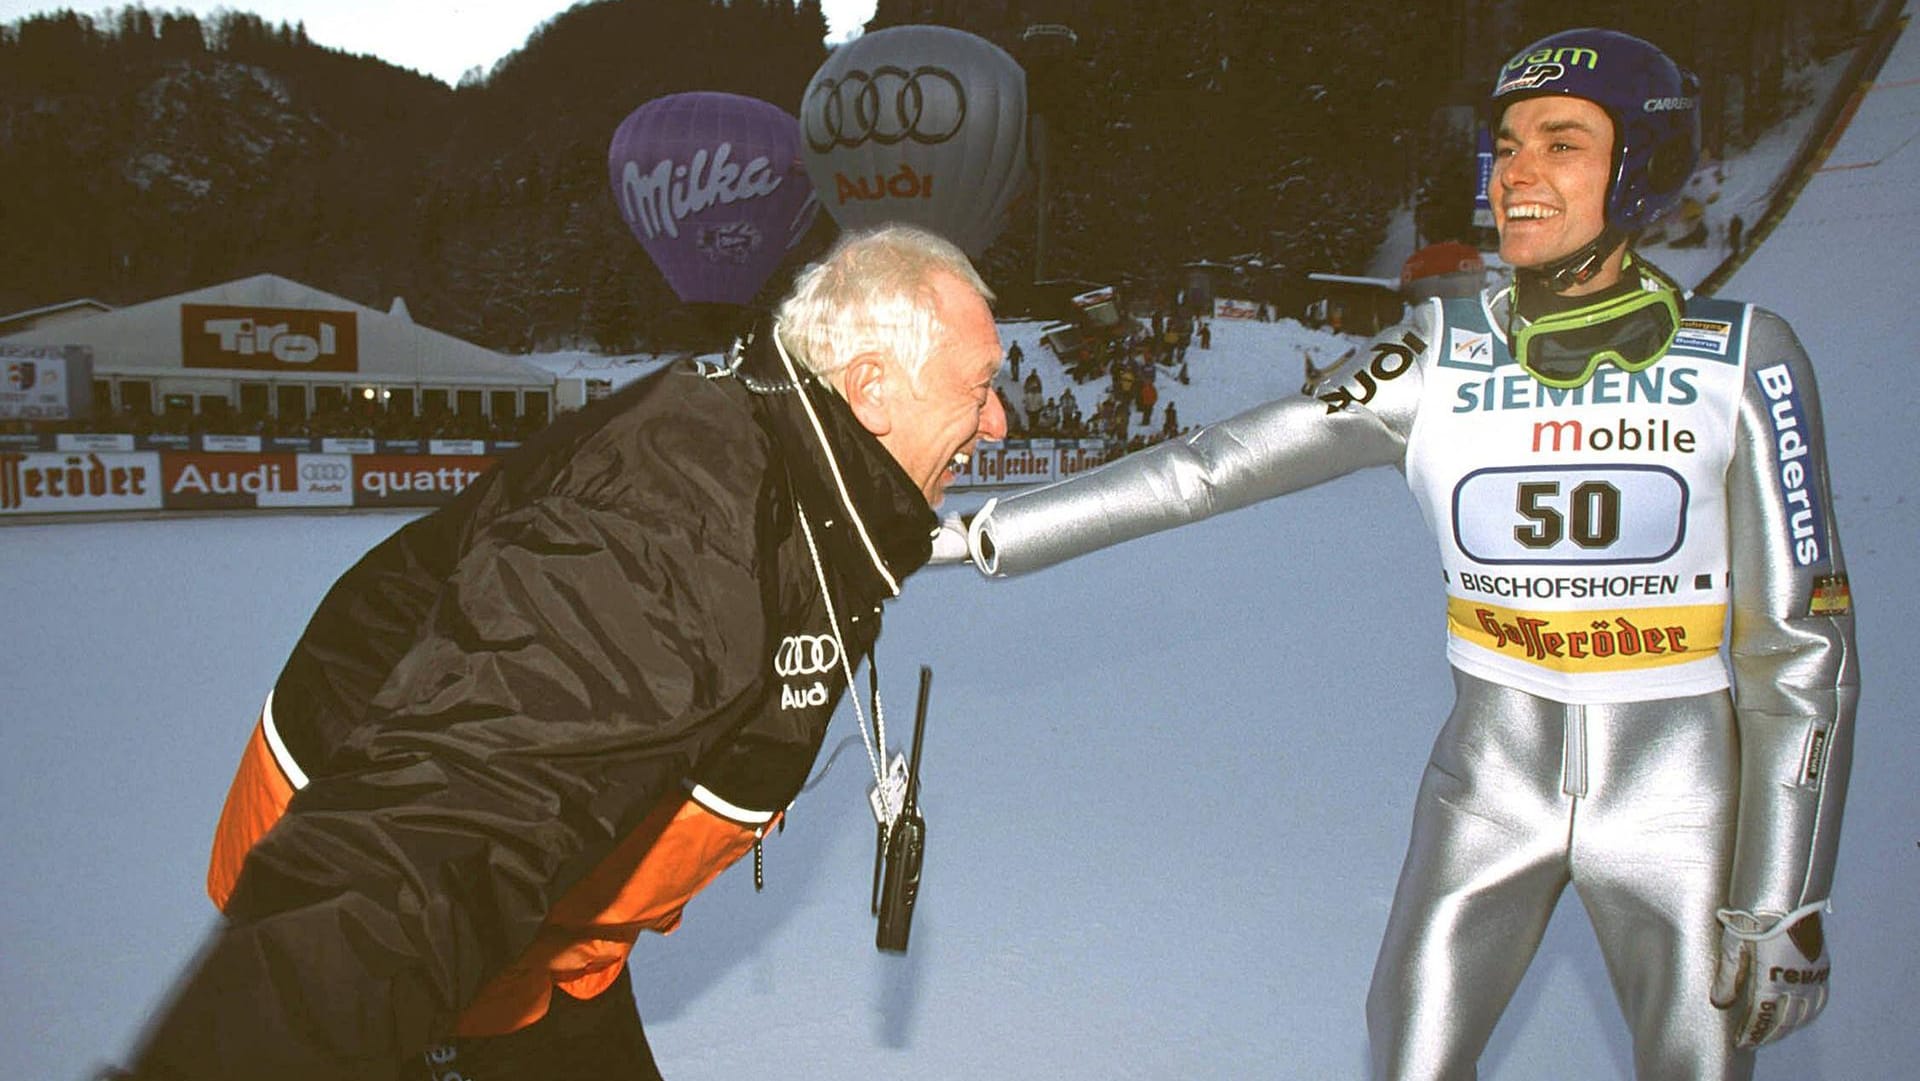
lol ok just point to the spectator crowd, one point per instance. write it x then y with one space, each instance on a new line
1121 374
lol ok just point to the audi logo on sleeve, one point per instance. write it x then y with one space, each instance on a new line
800 656
887 105
806 655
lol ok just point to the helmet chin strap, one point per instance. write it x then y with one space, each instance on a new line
1579 267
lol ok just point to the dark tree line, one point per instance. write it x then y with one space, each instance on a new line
1185 129
144 153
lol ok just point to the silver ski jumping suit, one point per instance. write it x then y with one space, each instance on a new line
1616 558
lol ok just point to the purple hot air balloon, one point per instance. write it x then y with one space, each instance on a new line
713 187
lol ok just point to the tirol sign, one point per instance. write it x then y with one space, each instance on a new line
269 339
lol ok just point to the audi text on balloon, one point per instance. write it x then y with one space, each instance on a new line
903 184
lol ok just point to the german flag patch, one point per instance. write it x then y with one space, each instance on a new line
1831 597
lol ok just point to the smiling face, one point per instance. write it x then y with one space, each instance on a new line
932 427
1552 160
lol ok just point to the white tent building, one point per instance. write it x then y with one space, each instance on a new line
267 345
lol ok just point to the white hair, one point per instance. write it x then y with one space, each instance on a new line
872 292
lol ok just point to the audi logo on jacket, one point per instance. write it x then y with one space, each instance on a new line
495 715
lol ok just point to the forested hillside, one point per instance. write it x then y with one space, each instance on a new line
145 152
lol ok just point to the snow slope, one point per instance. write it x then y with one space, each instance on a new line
1167 786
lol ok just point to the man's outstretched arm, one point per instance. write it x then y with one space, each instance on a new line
1359 418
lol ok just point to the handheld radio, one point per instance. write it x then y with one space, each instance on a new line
905 846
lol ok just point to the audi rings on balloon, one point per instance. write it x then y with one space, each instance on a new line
886 106
806 655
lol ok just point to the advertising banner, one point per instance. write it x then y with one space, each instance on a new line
1016 461
269 339
1235 308
45 382
85 479
231 444
456 446
80 442
229 481
55 483
162 441
1080 455
415 480
1019 462
1025 465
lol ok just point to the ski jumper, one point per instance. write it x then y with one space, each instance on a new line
1616 558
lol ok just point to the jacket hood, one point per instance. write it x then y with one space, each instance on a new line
869 514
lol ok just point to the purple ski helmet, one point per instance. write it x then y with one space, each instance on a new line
1653 102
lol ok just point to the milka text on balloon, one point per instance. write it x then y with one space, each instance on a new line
668 194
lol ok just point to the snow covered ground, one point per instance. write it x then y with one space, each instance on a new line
1167 786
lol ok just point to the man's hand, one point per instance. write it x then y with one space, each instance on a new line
958 540
1773 971
950 542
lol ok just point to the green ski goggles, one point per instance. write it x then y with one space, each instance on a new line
1630 332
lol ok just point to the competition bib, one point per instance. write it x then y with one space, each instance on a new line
1582 531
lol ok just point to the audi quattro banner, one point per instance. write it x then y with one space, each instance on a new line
413 480
229 481
38 482
226 481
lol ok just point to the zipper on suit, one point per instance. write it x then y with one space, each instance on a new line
1573 752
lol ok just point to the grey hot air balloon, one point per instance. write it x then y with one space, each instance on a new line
918 124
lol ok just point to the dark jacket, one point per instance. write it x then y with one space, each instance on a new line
499 694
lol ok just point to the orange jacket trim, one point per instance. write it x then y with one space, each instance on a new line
643 885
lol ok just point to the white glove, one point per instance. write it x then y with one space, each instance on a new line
1774 974
950 542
